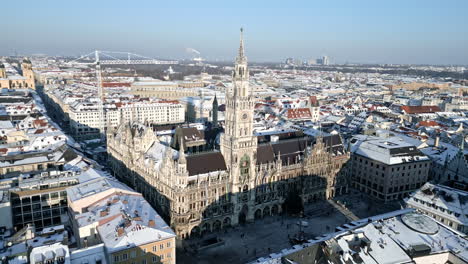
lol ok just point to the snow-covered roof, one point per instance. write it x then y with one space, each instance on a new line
396 237
138 231
50 254
441 200
392 150
88 255
91 187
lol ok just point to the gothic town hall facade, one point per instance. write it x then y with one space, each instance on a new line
246 179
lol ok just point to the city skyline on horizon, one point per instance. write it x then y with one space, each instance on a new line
364 33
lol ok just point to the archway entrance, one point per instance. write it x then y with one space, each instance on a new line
258 214
217 225
206 228
274 210
227 222
195 232
266 211
243 214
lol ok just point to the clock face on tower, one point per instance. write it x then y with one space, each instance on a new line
244 117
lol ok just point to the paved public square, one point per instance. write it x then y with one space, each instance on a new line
271 234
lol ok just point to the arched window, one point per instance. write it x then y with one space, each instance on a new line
244 166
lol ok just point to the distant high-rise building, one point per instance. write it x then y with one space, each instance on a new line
293 62
312 62
298 62
325 60
289 61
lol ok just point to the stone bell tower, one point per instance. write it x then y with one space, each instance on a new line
238 144
28 73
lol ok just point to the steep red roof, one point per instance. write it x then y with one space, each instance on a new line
313 100
39 131
40 123
170 101
420 109
115 84
299 113
261 106
428 123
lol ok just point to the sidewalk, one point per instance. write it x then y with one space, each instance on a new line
350 215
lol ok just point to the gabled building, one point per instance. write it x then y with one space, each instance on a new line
297 114
445 204
108 212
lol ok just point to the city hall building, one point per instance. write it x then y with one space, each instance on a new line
246 179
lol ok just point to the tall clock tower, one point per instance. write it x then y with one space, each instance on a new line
238 144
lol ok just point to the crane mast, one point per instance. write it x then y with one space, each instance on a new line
102 113
115 61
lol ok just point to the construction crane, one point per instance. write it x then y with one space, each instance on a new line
131 58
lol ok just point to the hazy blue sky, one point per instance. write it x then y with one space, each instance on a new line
407 31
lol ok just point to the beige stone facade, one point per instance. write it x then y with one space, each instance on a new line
161 89
156 252
27 80
418 85
28 162
246 180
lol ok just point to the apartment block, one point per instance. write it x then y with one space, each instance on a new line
387 168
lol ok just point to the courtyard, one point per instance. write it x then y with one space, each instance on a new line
242 244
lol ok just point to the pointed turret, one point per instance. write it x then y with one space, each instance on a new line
110 129
241 55
460 129
2 71
241 72
215 111
182 159
462 143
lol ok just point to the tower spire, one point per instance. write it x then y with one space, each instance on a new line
182 159
462 143
241 46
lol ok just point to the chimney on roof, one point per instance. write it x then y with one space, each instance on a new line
104 212
151 223
436 144
120 231
346 256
